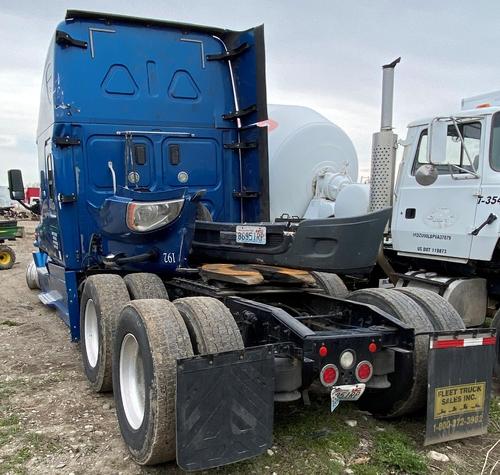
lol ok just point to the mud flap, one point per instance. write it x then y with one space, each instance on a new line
459 384
225 407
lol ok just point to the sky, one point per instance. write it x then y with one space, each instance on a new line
324 54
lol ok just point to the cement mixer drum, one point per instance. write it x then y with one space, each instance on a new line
303 143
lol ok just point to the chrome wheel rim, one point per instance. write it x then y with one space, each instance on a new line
91 334
132 387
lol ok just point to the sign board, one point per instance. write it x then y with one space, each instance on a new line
459 385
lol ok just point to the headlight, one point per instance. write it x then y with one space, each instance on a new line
148 216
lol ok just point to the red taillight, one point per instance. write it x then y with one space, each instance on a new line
364 371
329 375
372 347
323 351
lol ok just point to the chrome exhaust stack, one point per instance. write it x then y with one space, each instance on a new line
384 145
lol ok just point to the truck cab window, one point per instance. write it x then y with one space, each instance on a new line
495 143
455 152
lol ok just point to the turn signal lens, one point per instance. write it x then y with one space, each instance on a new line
329 375
364 371
147 216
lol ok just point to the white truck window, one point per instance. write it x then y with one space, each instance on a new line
495 143
455 153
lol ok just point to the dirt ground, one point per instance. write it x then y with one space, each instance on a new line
51 422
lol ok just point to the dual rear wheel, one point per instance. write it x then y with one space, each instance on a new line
135 336
425 311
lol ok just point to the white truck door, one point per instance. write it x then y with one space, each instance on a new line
487 223
437 220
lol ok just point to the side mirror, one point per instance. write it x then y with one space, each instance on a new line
16 185
438 136
426 174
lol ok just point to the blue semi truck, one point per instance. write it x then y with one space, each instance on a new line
155 247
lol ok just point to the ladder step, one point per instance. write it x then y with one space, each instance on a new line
240 113
48 298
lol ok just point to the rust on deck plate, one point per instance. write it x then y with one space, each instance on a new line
255 274
234 273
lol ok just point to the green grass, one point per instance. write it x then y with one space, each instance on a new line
395 450
41 442
369 469
495 409
8 388
14 463
11 420
9 427
10 323
48 380
29 442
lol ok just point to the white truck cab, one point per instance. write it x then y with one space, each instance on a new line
453 216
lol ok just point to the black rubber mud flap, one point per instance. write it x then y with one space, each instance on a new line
459 385
225 407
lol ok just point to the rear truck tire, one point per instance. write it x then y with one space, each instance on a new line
203 213
211 325
144 285
495 323
103 297
439 311
332 284
400 398
150 337
32 276
7 257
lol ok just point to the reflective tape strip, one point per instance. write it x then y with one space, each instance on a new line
461 342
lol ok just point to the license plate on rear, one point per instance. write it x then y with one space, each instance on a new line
251 234
348 392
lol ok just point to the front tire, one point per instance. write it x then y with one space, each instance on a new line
102 299
150 337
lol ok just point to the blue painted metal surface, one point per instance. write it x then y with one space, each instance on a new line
144 110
